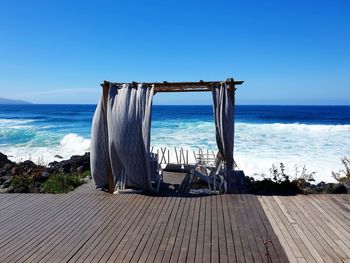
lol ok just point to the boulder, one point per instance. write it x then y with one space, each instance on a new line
4 160
70 166
20 189
42 177
7 183
339 189
80 169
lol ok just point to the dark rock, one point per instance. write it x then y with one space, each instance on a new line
43 177
27 165
33 189
339 189
10 189
7 183
53 163
71 165
8 166
21 189
58 156
327 188
4 179
80 169
14 170
347 185
4 160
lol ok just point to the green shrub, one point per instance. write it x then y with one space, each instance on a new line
86 174
61 183
22 181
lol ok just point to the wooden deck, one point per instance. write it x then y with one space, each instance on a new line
312 228
91 226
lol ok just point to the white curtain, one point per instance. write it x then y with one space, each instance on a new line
126 125
223 107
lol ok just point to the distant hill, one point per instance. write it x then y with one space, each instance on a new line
10 101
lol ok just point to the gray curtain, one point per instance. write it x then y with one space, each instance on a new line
99 154
128 132
223 107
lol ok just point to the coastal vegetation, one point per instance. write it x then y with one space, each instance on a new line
56 177
343 176
66 175
301 182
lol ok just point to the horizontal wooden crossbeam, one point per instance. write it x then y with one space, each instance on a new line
181 86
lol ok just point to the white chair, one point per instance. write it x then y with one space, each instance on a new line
210 169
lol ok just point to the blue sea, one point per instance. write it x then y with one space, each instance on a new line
314 136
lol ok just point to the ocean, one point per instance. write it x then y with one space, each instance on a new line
314 136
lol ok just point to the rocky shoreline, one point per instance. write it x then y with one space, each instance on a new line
28 177
64 176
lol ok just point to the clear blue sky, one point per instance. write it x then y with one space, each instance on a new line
288 52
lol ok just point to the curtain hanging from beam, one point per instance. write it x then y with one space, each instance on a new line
120 137
223 107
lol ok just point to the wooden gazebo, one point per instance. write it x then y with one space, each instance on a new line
200 86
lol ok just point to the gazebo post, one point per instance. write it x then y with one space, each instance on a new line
232 90
105 88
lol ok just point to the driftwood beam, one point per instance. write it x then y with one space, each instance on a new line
199 86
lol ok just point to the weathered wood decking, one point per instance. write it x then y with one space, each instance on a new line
312 228
90 226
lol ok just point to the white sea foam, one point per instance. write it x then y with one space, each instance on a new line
74 144
257 146
14 122
70 144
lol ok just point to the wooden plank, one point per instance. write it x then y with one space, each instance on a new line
194 232
22 234
254 246
207 233
98 244
92 226
284 237
157 230
253 220
136 257
120 238
16 211
175 233
266 231
134 240
48 239
323 229
162 230
333 210
335 227
87 233
305 247
175 253
222 231
201 229
28 217
238 246
184 250
312 230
